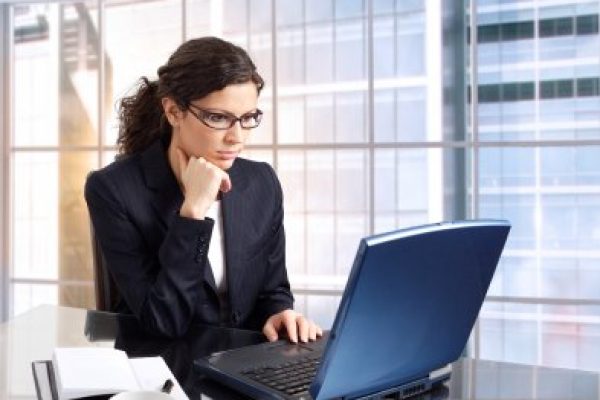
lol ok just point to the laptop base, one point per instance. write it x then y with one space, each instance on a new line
417 389
411 389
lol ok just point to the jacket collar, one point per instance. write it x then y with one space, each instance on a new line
155 164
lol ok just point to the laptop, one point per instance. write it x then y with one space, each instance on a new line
407 311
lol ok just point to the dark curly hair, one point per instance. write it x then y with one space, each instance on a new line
197 68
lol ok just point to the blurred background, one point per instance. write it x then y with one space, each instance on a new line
379 114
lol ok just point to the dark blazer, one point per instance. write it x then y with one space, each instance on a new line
159 259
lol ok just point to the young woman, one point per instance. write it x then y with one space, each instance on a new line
190 231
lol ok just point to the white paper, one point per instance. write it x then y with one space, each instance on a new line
89 371
92 371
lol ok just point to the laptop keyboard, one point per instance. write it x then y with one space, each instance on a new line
291 377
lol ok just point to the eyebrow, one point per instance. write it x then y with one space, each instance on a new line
220 111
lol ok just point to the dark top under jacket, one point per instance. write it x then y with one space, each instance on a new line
159 259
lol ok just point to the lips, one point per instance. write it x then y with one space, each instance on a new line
227 155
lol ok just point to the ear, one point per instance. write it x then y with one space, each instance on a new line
172 111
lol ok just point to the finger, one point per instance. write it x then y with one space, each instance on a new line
303 328
291 326
270 331
319 331
312 331
226 183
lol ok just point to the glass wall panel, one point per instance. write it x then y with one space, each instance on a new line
291 120
259 155
509 332
79 63
56 103
27 296
404 70
75 255
553 335
558 62
56 53
320 121
81 295
35 220
350 117
550 195
200 18
350 50
108 157
260 49
410 43
139 38
413 186
326 205
50 223
410 111
321 308
319 10
538 82
290 55
320 58
36 38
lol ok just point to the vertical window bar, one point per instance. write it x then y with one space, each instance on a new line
6 91
183 20
101 82
274 105
473 82
371 115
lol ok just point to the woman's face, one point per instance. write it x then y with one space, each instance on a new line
195 138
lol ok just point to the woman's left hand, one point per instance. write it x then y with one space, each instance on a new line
295 324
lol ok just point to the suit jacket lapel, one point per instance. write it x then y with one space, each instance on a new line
233 225
167 197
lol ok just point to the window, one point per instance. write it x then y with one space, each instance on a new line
535 168
587 24
549 27
365 124
588 87
345 141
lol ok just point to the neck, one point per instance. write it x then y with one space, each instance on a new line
174 161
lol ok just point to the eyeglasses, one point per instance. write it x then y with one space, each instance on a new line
222 120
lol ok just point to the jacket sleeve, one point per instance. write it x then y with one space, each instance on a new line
275 295
162 290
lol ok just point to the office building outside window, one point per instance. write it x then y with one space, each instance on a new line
538 110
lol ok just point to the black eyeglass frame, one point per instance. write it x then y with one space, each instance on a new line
201 113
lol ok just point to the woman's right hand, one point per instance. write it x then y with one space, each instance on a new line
201 181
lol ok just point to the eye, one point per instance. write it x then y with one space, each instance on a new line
216 118
248 118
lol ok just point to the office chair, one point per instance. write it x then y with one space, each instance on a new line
107 294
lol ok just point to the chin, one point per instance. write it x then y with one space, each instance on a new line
224 164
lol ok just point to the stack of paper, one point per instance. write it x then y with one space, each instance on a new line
95 371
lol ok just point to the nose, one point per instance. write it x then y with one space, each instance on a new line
235 134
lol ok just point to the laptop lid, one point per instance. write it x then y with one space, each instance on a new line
409 305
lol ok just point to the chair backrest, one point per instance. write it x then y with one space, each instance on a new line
107 294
